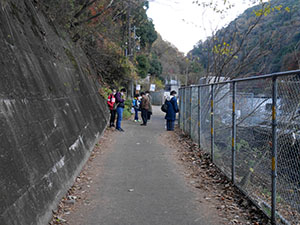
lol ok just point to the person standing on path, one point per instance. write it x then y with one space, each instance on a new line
172 110
111 102
136 107
120 101
150 105
144 108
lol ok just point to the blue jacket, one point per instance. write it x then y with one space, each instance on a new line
136 103
172 109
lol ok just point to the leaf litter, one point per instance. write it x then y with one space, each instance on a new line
216 188
78 193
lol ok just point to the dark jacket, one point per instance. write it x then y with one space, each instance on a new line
150 103
119 100
145 102
172 109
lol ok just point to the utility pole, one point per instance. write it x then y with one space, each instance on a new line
129 43
187 71
186 75
133 51
129 53
134 36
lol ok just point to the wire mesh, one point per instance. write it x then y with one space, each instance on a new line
253 163
188 110
253 141
185 112
194 113
181 105
205 119
288 166
223 125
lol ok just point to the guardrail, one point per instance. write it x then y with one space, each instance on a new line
251 128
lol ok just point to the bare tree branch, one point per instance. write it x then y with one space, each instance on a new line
94 16
84 7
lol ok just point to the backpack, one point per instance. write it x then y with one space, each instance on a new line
164 107
136 104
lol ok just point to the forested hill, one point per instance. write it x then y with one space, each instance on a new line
264 39
116 35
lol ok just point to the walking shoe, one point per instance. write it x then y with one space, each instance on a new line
136 121
143 124
120 129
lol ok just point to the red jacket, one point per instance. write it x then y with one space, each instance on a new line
111 101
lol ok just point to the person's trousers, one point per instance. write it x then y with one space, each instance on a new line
149 115
119 116
112 117
170 124
144 116
136 115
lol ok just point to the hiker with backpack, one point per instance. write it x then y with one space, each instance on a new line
111 102
136 106
171 110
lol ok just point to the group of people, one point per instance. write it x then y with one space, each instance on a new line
142 102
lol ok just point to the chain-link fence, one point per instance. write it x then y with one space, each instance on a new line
157 97
251 128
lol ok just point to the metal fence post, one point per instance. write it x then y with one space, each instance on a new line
180 104
274 149
212 122
199 117
233 131
191 111
184 109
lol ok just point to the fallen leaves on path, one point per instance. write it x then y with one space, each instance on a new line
233 206
78 193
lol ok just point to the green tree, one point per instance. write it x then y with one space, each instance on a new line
155 67
143 65
147 33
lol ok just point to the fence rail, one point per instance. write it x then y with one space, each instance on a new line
251 129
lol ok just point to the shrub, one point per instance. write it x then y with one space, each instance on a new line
127 109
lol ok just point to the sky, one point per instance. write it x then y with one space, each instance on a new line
183 23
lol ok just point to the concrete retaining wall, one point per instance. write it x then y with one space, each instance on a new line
51 114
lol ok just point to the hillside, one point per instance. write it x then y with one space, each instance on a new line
172 61
254 43
107 30
116 35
